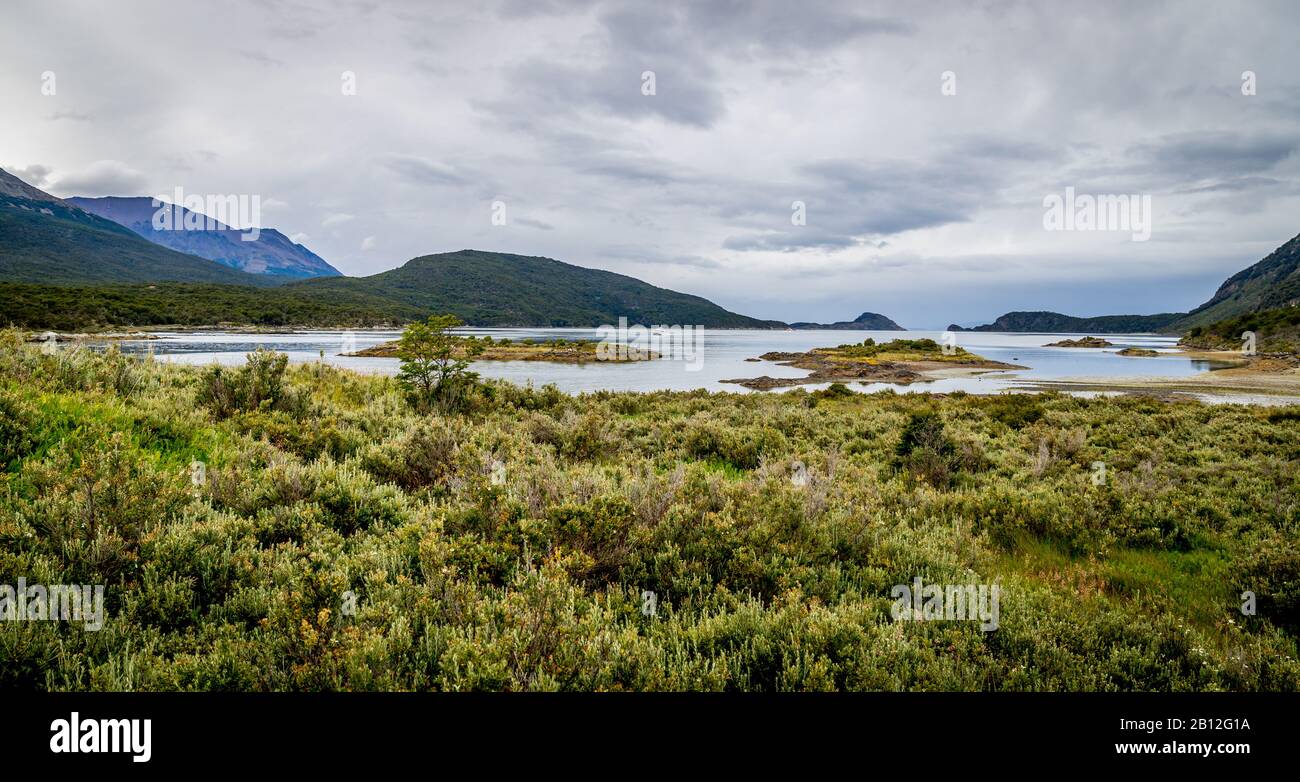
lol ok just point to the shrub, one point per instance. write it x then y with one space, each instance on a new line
16 424
258 385
924 450
1270 567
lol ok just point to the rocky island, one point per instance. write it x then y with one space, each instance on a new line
901 361
1086 342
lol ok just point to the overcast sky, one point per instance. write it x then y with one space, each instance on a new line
924 206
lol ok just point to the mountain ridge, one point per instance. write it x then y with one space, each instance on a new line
271 253
486 288
1271 283
47 240
1047 322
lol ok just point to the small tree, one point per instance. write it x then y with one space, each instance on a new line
435 362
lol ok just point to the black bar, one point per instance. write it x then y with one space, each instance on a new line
302 731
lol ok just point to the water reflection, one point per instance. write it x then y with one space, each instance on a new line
725 357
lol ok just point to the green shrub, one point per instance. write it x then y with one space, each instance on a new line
924 449
258 385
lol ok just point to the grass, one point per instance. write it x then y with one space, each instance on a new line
326 490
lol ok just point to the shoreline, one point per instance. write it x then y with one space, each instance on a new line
1274 377
561 352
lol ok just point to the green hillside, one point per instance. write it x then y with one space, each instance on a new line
499 289
99 307
1276 331
1270 284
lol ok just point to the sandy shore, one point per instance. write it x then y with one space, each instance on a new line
44 336
1274 378
943 372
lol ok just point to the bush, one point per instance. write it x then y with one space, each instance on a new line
258 385
16 425
924 450
1270 567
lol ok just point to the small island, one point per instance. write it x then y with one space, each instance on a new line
1086 342
901 361
54 336
1137 352
559 351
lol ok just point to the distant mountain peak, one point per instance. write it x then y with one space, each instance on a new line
867 321
49 240
272 253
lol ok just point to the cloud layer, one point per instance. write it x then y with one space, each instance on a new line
672 141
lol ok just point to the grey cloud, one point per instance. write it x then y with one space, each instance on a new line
850 203
102 178
529 8
682 93
1241 183
75 116
422 171
783 26
261 58
646 255
35 175
1198 156
789 241
629 168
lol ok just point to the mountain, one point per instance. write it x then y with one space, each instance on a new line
1056 323
44 239
867 321
271 253
500 289
1272 283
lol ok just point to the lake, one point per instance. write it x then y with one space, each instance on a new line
724 354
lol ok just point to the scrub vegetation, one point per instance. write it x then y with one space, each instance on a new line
278 527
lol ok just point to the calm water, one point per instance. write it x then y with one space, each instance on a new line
723 357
